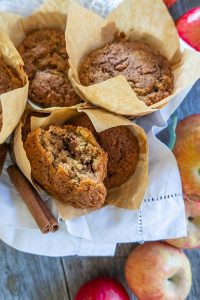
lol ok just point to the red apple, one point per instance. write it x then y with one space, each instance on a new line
157 271
193 227
187 153
187 125
102 289
188 27
169 2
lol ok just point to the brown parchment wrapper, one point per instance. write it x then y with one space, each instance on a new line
144 20
130 194
52 14
13 102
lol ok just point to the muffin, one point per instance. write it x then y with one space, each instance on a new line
26 127
148 73
46 64
9 80
122 149
123 154
84 121
69 163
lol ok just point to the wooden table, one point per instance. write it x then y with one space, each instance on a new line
30 277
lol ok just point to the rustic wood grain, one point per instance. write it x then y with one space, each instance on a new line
194 257
80 270
30 277
182 6
123 250
24 276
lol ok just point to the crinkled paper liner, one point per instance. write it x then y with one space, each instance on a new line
13 102
144 20
51 14
130 194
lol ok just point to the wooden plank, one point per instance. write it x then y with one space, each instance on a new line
194 257
30 277
123 250
191 104
182 6
80 270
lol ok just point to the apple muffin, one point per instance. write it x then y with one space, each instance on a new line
148 73
122 148
69 163
9 80
26 126
46 64
83 120
123 154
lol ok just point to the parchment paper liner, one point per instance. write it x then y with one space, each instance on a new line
13 102
130 194
52 14
145 20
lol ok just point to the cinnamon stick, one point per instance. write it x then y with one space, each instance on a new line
3 151
11 150
37 207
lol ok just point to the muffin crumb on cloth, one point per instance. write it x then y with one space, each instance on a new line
148 73
46 64
69 163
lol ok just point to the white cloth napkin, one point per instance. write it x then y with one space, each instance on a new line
96 234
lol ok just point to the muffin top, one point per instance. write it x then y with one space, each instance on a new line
148 73
46 64
9 78
123 154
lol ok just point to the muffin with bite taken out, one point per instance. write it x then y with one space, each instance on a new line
121 146
68 162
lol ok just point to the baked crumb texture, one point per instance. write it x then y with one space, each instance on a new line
46 64
122 148
9 78
69 163
148 73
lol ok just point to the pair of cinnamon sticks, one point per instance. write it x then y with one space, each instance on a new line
37 207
